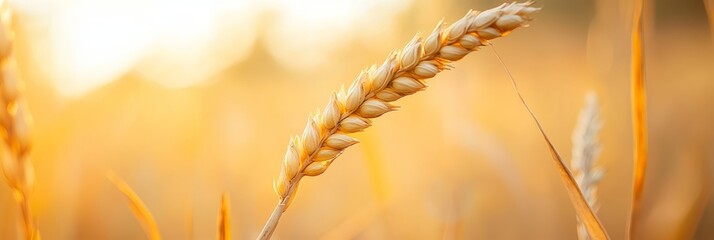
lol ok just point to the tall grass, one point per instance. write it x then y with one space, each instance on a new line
639 117
709 8
583 210
141 212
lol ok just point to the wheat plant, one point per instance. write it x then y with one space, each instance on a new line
370 95
586 151
15 122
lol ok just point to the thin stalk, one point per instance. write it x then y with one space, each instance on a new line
27 218
709 7
639 117
280 208
582 208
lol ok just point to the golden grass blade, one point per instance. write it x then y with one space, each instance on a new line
709 7
692 218
582 208
141 212
681 199
639 117
224 219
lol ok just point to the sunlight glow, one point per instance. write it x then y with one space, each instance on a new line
83 45
94 44
193 44
173 43
323 26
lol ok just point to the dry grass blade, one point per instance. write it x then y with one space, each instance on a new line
691 220
141 212
586 150
370 95
582 208
639 120
189 222
224 219
15 124
709 7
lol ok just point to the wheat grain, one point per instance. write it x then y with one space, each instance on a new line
15 122
326 134
586 150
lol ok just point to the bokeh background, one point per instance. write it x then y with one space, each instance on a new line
186 99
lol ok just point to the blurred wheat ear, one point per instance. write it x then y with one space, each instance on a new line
586 150
639 117
141 212
15 121
403 73
224 219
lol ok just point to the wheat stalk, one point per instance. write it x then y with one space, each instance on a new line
586 150
639 116
224 219
15 122
403 73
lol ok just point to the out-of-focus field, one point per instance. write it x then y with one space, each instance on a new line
185 100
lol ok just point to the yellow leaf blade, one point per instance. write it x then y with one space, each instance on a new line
582 208
141 212
709 7
639 117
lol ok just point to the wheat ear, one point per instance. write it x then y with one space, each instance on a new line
15 121
586 150
369 96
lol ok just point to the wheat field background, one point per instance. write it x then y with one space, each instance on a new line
186 100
